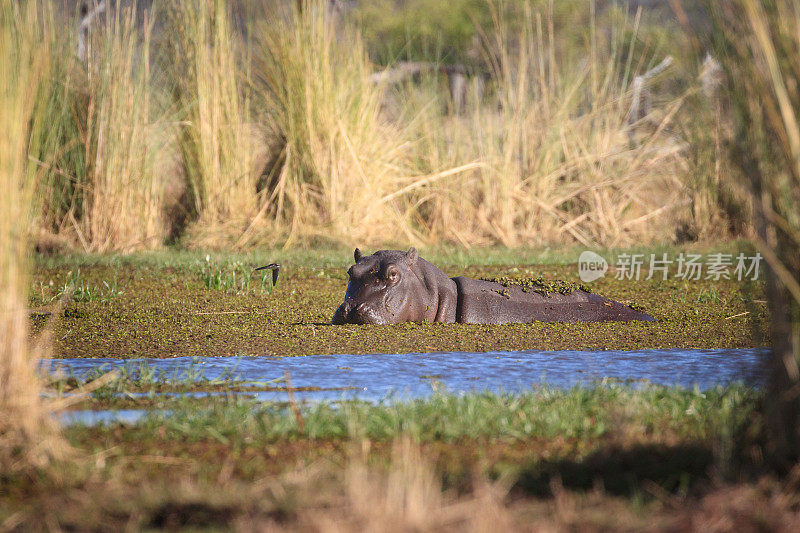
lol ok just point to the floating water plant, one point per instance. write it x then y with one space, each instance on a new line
539 285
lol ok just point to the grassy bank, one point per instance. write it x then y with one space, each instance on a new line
605 457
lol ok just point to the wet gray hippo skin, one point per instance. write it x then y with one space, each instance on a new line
390 286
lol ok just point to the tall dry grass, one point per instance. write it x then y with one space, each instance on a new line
558 158
122 195
409 496
337 157
101 184
27 435
218 140
551 156
758 44
284 136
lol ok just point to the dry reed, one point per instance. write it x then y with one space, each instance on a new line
338 157
27 435
218 139
551 157
99 182
548 155
408 496
758 44
559 159
122 194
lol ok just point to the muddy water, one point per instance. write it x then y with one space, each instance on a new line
414 375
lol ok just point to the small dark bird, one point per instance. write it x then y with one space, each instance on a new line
276 268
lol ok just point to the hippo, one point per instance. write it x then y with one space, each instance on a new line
392 286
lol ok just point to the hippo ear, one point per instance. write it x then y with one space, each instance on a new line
412 255
357 255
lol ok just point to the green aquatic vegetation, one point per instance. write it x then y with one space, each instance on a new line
710 295
543 412
539 285
76 288
233 276
168 311
138 376
637 307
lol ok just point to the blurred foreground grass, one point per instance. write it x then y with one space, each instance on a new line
618 457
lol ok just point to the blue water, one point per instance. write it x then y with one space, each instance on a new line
93 418
377 377
414 375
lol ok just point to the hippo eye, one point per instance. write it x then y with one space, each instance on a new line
391 275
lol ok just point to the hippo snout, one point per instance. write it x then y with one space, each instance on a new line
340 316
351 312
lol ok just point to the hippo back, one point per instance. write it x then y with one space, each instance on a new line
487 302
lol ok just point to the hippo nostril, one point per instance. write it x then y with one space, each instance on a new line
355 310
359 313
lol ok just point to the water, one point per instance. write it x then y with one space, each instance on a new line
417 375
414 375
93 418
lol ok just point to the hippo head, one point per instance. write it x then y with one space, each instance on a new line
383 289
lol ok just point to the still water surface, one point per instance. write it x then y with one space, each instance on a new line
414 375
377 377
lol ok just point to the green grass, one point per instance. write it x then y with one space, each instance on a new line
543 413
76 289
341 257
708 295
609 439
611 454
234 276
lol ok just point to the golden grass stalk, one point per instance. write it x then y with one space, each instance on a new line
122 195
340 160
27 435
409 496
552 157
98 180
758 44
548 156
558 158
218 140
